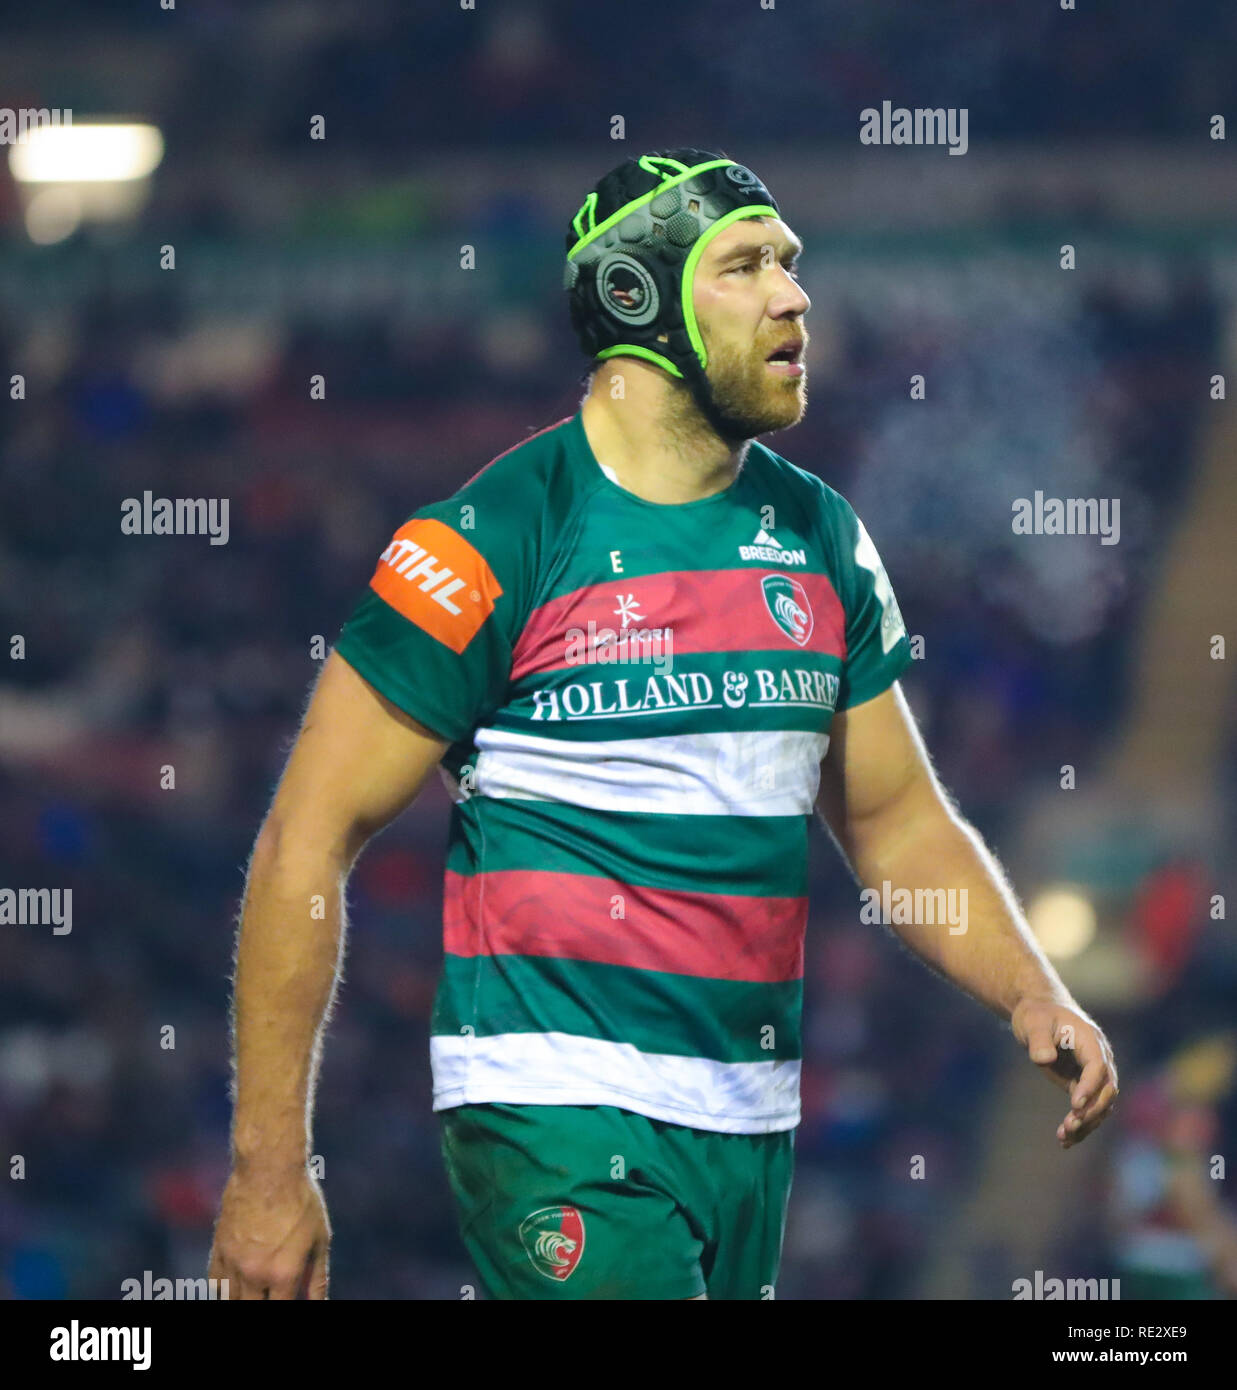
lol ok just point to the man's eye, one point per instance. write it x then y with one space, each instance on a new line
750 268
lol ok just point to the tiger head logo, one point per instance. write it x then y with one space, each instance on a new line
553 1239
789 607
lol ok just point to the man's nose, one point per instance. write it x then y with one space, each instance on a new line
791 300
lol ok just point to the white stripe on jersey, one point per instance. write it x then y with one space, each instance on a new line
751 772
565 1069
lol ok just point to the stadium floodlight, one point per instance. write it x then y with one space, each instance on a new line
87 153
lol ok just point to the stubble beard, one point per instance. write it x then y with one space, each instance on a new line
747 399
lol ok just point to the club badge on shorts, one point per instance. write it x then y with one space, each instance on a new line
553 1239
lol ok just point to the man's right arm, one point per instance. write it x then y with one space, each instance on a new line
357 762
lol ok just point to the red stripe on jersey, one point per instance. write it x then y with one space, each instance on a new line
705 610
533 912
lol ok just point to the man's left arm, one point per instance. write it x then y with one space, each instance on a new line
894 823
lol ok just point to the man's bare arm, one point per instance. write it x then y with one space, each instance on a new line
894 823
357 762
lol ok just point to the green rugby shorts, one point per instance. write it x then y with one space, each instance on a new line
591 1201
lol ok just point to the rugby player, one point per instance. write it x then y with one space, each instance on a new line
643 649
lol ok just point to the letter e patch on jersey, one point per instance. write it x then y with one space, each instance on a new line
437 580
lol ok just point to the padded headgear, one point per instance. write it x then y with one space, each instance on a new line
633 249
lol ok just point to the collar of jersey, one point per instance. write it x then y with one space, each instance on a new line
610 481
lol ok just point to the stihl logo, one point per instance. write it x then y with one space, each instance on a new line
415 562
438 581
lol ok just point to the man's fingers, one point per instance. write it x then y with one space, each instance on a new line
285 1282
251 1285
228 1278
1040 1044
1074 1054
317 1281
1101 1104
1076 1127
1089 1084
262 1279
271 1239
1069 1137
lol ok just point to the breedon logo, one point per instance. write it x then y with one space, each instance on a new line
770 551
787 602
553 1239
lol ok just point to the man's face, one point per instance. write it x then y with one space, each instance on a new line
750 308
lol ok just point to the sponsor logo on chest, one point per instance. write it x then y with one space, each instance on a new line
619 697
770 551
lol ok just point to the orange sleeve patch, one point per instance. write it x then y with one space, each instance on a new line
438 580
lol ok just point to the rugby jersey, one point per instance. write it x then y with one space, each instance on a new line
637 698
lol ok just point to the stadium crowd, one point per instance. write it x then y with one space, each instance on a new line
141 654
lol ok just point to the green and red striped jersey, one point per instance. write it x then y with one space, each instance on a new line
638 698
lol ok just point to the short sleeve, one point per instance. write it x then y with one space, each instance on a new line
433 633
877 647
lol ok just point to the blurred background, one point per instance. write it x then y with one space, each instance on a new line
167 293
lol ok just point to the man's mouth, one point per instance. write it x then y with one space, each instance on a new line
786 359
788 352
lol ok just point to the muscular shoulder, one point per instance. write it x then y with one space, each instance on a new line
435 629
506 513
508 498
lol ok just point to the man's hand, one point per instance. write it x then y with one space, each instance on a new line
1073 1053
272 1238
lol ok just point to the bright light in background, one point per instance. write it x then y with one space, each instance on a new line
96 172
53 214
83 153
1063 920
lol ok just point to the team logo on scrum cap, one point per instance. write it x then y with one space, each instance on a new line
740 174
553 1239
627 289
787 602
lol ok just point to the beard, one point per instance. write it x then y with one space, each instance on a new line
742 399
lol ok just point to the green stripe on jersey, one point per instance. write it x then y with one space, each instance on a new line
726 1020
760 856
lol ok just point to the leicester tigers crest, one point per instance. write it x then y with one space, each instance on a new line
553 1239
788 606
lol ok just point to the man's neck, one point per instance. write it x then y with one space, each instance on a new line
654 440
